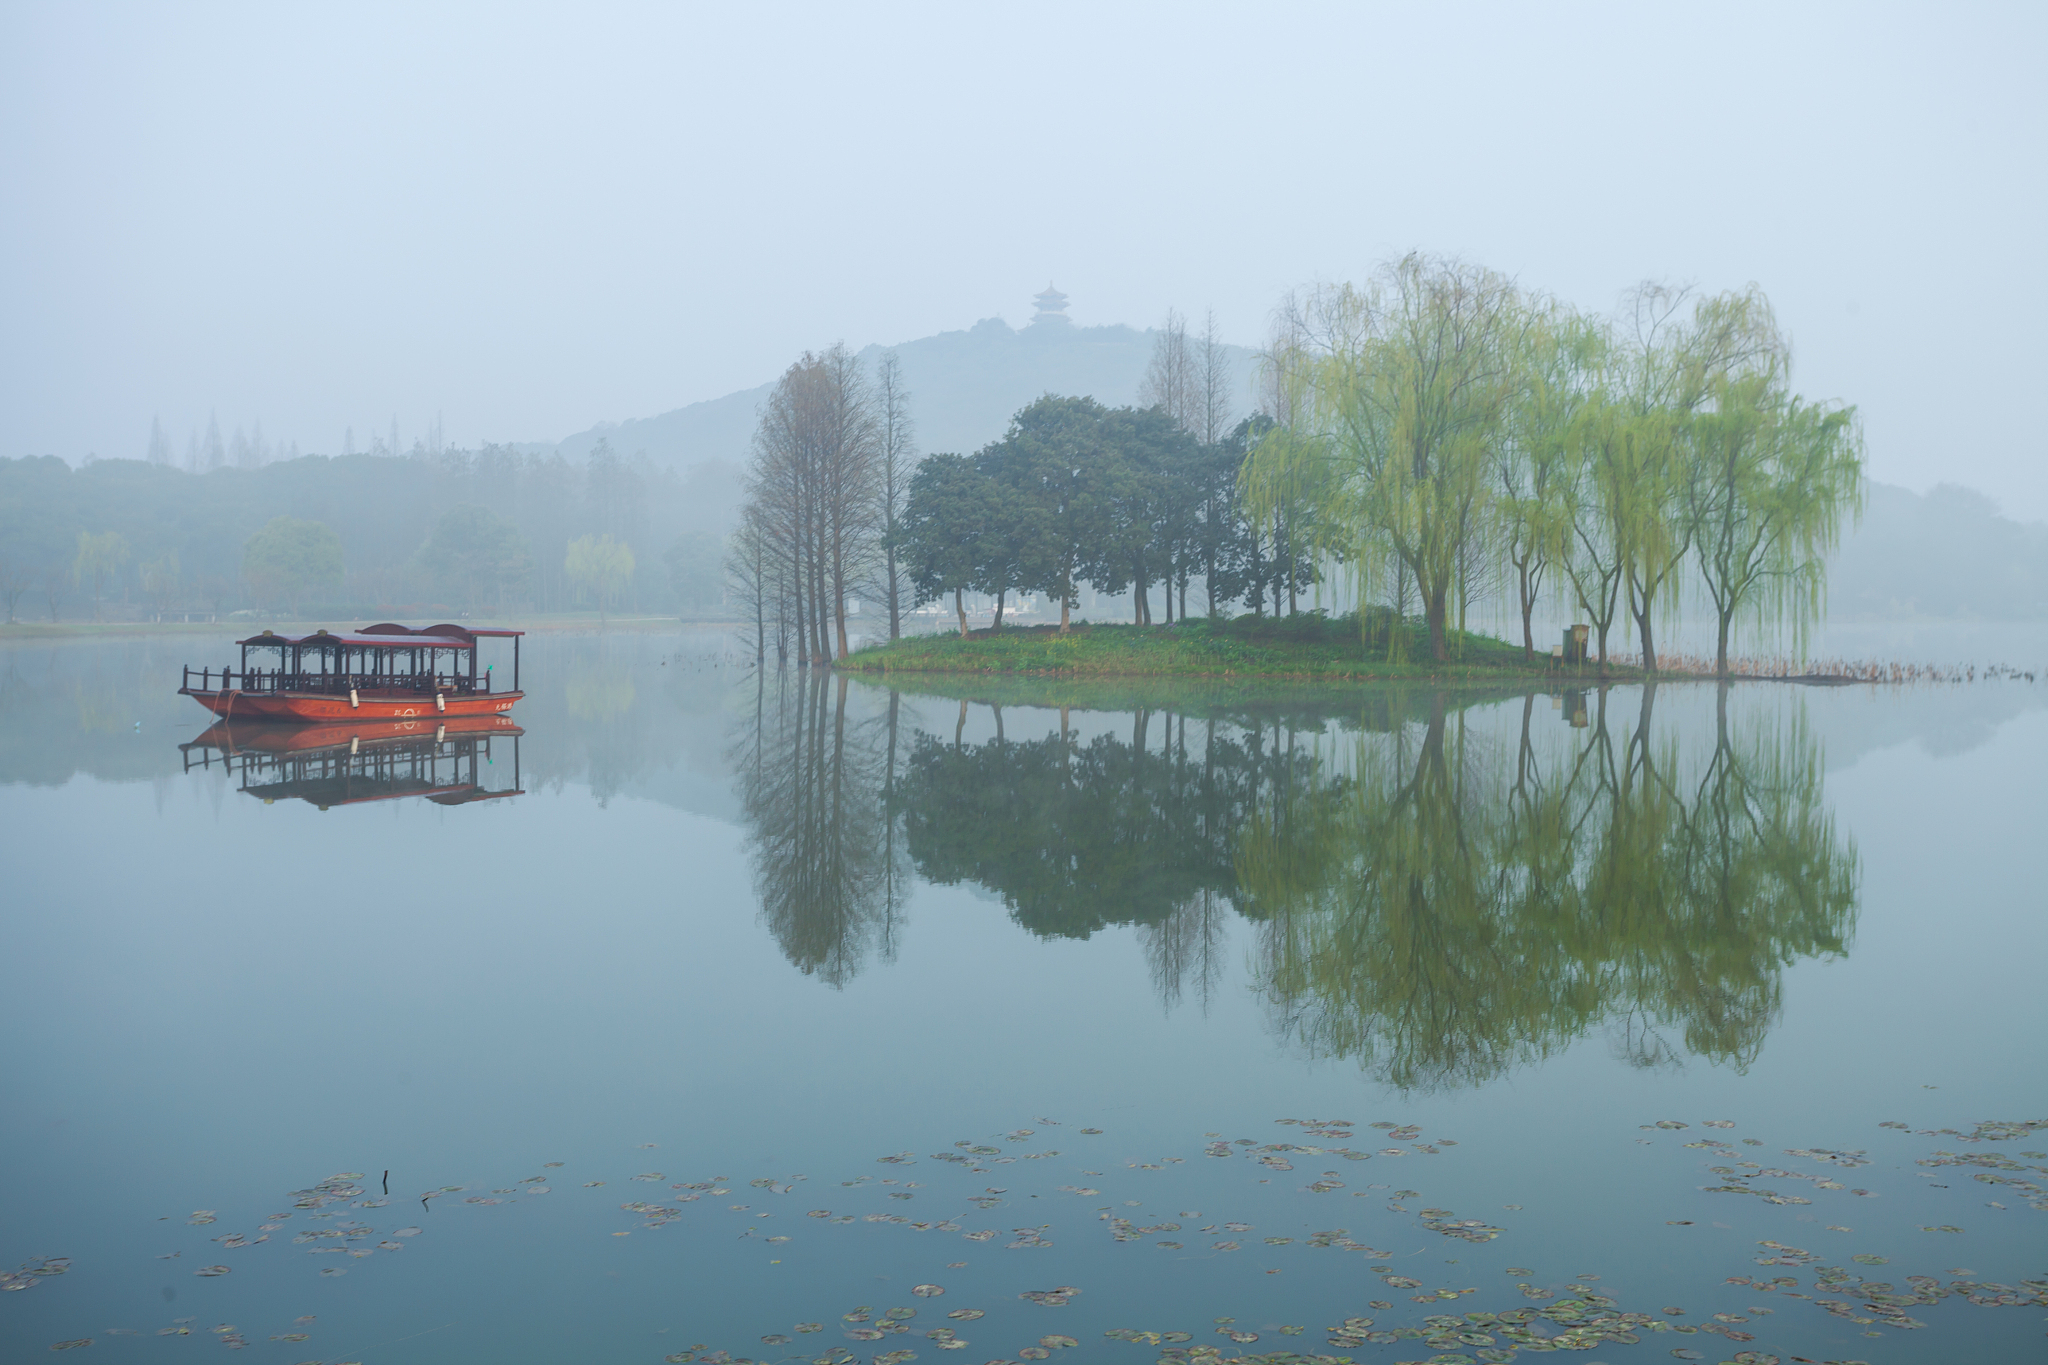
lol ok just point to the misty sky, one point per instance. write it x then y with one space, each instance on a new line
532 218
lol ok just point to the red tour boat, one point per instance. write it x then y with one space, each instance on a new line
383 672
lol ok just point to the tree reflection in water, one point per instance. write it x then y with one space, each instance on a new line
1439 900
817 785
1459 909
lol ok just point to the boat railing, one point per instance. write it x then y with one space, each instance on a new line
256 681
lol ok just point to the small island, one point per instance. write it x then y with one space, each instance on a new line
1309 646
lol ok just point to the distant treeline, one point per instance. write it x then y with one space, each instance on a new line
483 531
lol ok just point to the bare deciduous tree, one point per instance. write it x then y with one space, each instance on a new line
813 494
1170 379
898 457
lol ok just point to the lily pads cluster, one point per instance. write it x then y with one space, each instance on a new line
1554 1315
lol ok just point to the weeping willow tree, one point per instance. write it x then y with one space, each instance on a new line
1404 385
1772 478
1663 372
1460 905
1533 502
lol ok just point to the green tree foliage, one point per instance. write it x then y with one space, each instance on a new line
290 557
207 518
1265 554
1148 450
1410 390
1773 477
1056 477
1122 499
945 521
478 554
161 581
101 555
16 579
599 567
1448 431
696 570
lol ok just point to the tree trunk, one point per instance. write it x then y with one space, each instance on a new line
895 598
1649 645
1528 607
1721 643
960 606
1000 595
1435 609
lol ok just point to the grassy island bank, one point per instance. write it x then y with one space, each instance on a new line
1304 647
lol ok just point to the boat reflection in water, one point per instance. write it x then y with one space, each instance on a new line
450 763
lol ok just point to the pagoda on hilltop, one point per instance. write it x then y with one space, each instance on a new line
1052 306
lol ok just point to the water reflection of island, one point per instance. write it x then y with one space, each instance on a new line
1435 894
451 763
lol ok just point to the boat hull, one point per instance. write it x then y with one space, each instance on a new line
305 708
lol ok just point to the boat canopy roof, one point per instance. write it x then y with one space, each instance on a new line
385 636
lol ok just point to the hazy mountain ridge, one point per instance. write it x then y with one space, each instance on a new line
964 387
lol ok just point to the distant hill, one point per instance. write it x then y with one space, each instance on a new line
964 387
1946 554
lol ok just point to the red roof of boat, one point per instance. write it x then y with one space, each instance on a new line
386 636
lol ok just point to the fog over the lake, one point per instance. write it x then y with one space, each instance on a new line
525 220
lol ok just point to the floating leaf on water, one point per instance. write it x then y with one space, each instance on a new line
1035 1353
1092 1132
900 1314
1057 1343
334 1270
209 1271
71 1345
865 1333
1683 1353
1865 1258
776 1339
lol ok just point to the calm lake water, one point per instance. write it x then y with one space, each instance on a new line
1366 1024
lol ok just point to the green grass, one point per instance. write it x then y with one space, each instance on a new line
1307 647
